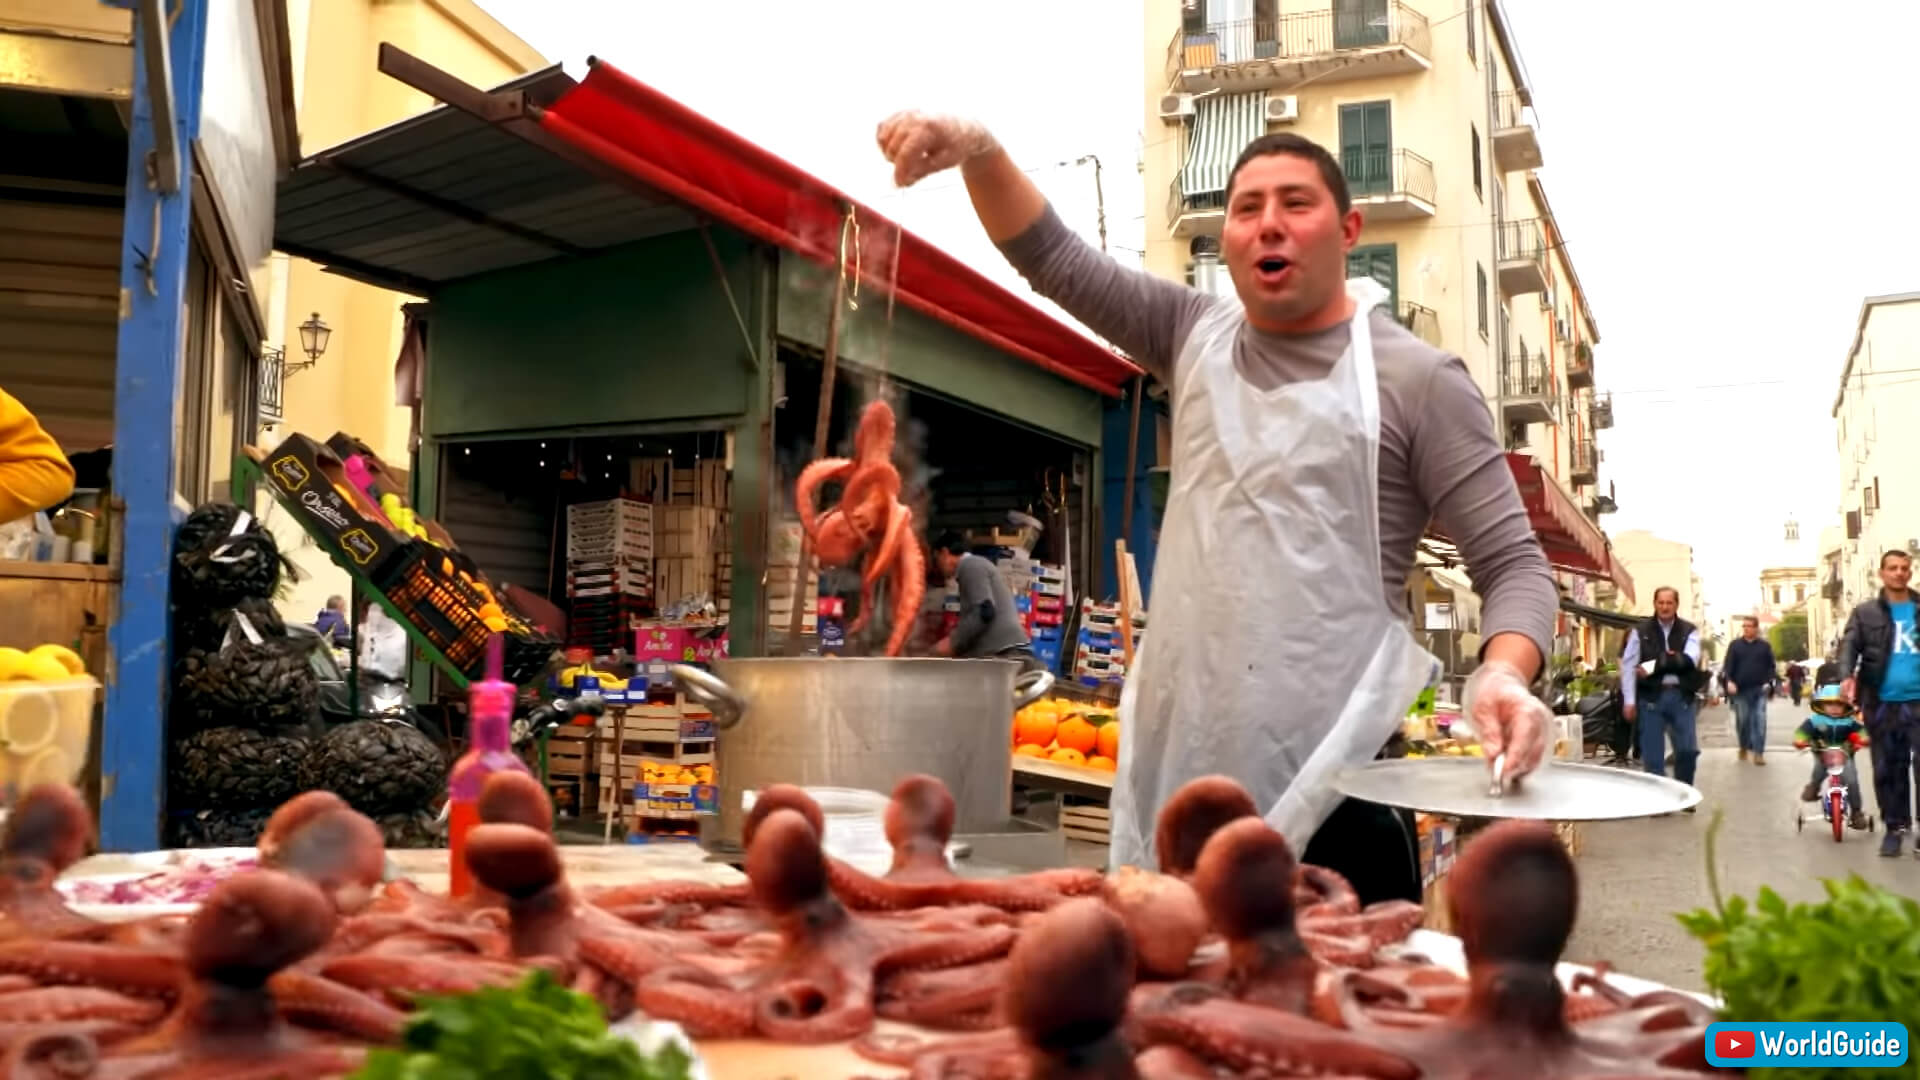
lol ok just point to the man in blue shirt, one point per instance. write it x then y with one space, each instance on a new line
1880 655
1748 672
1659 677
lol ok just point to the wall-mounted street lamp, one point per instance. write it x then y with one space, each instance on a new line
314 335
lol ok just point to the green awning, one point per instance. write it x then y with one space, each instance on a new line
1223 125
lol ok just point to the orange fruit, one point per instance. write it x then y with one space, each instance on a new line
1101 761
1029 750
1033 728
1074 733
1107 740
1068 756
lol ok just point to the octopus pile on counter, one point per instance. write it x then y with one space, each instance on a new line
1236 961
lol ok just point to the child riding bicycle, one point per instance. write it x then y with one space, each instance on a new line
1833 724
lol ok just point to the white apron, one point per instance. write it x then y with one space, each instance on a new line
1271 654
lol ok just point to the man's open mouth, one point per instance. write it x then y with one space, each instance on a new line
1272 270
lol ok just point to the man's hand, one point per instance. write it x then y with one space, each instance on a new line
1847 691
1629 711
943 647
1510 721
919 145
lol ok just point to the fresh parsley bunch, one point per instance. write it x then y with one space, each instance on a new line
1854 956
538 1030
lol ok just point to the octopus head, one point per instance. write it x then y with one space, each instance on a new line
1081 944
782 797
921 809
1514 895
50 826
517 861
1245 879
1194 813
292 814
785 865
339 850
515 798
255 924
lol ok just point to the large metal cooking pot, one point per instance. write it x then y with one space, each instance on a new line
863 722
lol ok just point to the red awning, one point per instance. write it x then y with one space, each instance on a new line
1572 542
1617 572
663 143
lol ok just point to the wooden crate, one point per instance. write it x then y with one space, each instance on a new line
569 751
1088 821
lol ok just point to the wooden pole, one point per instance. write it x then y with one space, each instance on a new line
823 416
1133 451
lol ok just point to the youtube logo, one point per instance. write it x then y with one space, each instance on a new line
1733 1043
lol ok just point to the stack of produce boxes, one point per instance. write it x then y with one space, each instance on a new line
1100 655
660 745
609 571
785 582
1040 593
690 538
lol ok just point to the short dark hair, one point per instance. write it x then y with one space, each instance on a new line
1284 142
1894 553
950 542
1666 588
1749 620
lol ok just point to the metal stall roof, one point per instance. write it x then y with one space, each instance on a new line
547 167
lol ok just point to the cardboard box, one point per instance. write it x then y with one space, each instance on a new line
310 479
677 798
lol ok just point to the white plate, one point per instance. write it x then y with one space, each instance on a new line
1446 951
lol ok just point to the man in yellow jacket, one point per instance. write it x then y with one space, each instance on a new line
34 474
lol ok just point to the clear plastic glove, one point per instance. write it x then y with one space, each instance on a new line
918 144
1510 720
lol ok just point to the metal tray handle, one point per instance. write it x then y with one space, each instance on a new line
1031 687
726 704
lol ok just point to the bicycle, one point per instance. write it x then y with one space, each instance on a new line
1831 794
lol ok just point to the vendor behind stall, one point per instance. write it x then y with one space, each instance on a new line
989 624
34 474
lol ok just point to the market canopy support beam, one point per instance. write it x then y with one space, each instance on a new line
153 280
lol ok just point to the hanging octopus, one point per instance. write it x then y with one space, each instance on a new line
869 525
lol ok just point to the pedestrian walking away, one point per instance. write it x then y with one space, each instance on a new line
1660 676
1796 682
1314 439
1746 673
1880 652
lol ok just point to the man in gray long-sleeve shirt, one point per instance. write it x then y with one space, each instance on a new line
1289 222
989 624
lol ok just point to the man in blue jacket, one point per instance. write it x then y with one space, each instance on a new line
1880 657
1748 671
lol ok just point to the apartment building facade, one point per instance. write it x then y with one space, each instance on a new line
1658 563
1427 107
1879 490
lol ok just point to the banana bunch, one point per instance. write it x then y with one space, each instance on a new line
46 716
608 681
668 772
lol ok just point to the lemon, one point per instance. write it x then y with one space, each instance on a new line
62 655
1476 750
40 668
11 661
29 719
51 765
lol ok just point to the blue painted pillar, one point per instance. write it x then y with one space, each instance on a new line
155 248
1114 422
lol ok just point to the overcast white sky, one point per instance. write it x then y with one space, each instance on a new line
1731 185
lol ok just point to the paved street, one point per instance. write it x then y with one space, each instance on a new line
1635 875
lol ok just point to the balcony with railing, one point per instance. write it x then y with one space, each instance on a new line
1527 391
1516 136
1422 320
1579 361
1197 213
1584 466
1352 39
273 373
1390 185
1601 503
1602 411
1523 257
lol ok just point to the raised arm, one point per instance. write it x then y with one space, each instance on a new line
1147 316
1462 474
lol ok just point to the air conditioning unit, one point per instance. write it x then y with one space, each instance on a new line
1176 106
1284 109
1913 544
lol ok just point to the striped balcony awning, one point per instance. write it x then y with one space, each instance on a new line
1223 125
